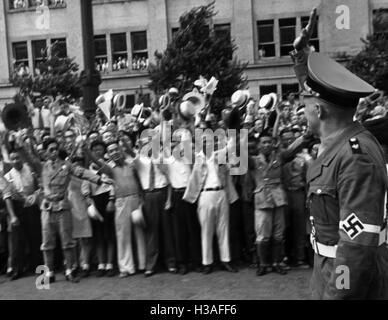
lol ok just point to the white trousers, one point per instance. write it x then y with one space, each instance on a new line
124 226
213 214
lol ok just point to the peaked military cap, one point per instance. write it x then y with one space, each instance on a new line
334 83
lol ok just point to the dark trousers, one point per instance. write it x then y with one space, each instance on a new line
296 225
159 230
242 230
187 230
249 235
235 230
26 237
370 285
104 232
3 240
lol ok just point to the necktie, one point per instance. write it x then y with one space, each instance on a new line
152 177
41 123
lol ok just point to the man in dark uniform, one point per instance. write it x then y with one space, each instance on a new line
347 185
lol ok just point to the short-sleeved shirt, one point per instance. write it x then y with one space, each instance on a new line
23 181
126 181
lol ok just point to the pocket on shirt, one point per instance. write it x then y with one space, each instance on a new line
323 204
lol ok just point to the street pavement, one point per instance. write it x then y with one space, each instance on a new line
219 285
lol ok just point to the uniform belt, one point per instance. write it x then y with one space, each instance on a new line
179 189
292 189
331 251
324 250
212 189
54 198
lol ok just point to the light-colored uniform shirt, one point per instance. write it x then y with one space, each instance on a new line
56 178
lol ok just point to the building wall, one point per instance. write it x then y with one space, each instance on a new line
158 17
4 56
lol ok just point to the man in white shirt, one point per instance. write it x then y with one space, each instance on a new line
211 185
184 214
127 200
156 205
25 216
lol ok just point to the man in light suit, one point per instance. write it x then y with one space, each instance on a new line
210 184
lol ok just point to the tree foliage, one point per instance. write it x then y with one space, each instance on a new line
371 64
195 51
54 76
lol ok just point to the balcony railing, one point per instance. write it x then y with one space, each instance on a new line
123 66
21 5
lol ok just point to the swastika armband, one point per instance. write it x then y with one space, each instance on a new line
353 226
355 146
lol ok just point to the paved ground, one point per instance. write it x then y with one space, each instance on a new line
219 285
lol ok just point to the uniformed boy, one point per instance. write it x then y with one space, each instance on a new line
270 202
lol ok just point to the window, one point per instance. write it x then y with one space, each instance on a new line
17 4
130 101
101 55
56 3
139 50
35 3
380 23
287 35
20 56
39 48
268 89
265 32
119 52
145 98
222 31
59 47
289 88
314 41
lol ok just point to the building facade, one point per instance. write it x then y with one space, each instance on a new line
128 32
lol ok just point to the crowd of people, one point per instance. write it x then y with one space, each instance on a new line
102 65
19 4
100 205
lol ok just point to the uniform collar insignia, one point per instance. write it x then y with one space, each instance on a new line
332 149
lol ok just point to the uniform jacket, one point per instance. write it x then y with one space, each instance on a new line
269 191
56 182
294 174
347 183
198 178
